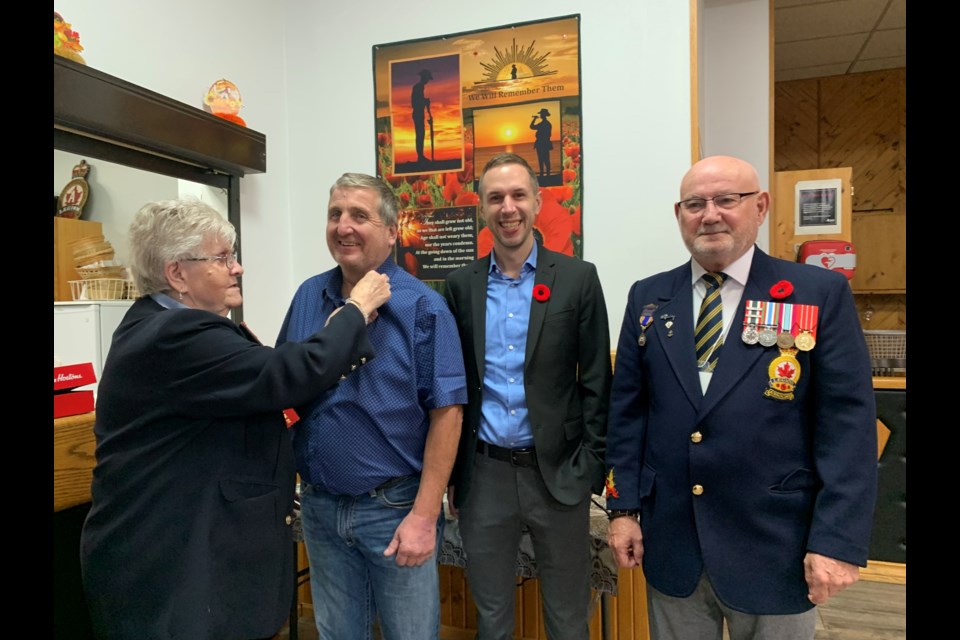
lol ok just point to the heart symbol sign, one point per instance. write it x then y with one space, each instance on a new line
828 261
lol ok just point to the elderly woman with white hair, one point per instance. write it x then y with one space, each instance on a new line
189 532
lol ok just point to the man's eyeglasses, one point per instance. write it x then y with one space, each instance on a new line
228 260
725 201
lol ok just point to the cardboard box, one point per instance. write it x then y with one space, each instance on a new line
72 403
67 401
73 376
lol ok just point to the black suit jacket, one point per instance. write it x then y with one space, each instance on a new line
189 533
779 476
567 372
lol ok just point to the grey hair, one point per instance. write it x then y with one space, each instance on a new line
502 159
388 201
171 230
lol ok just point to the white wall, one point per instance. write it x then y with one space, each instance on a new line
178 48
636 117
735 85
305 71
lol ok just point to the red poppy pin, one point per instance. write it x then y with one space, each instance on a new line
781 290
611 486
541 293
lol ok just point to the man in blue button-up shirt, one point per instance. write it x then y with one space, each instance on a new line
533 325
375 451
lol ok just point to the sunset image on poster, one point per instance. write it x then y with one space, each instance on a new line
518 129
425 115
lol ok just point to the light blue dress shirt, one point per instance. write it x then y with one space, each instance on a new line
504 418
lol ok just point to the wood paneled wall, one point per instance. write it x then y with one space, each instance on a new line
882 311
858 121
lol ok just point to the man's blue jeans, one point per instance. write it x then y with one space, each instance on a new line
352 583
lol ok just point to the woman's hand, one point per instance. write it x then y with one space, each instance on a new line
372 291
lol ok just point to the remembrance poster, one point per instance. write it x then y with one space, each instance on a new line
445 105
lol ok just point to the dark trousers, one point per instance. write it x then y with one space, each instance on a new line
503 499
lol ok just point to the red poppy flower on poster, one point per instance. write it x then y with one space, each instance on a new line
562 194
424 200
541 293
396 181
555 224
484 242
467 198
781 290
452 188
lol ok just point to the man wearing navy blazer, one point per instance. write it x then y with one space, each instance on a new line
534 331
752 472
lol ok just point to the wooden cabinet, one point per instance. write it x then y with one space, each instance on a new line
785 240
73 460
881 241
858 121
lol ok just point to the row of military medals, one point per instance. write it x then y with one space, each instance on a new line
789 326
792 328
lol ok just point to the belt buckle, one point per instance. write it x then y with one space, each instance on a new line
521 457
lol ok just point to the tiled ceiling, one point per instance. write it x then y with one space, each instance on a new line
814 38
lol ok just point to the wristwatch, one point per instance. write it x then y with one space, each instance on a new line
613 514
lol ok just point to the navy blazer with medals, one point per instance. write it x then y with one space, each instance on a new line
566 372
779 477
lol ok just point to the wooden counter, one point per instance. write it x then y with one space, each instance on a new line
891 382
73 460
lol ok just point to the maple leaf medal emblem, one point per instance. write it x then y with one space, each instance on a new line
784 372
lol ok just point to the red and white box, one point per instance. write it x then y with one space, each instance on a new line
836 255
68 400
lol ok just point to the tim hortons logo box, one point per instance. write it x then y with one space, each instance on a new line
67 399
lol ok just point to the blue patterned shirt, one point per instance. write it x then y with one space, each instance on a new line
504 419
373 425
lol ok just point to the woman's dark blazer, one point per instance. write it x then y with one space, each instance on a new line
189 533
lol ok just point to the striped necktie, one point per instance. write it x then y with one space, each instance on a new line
709 331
